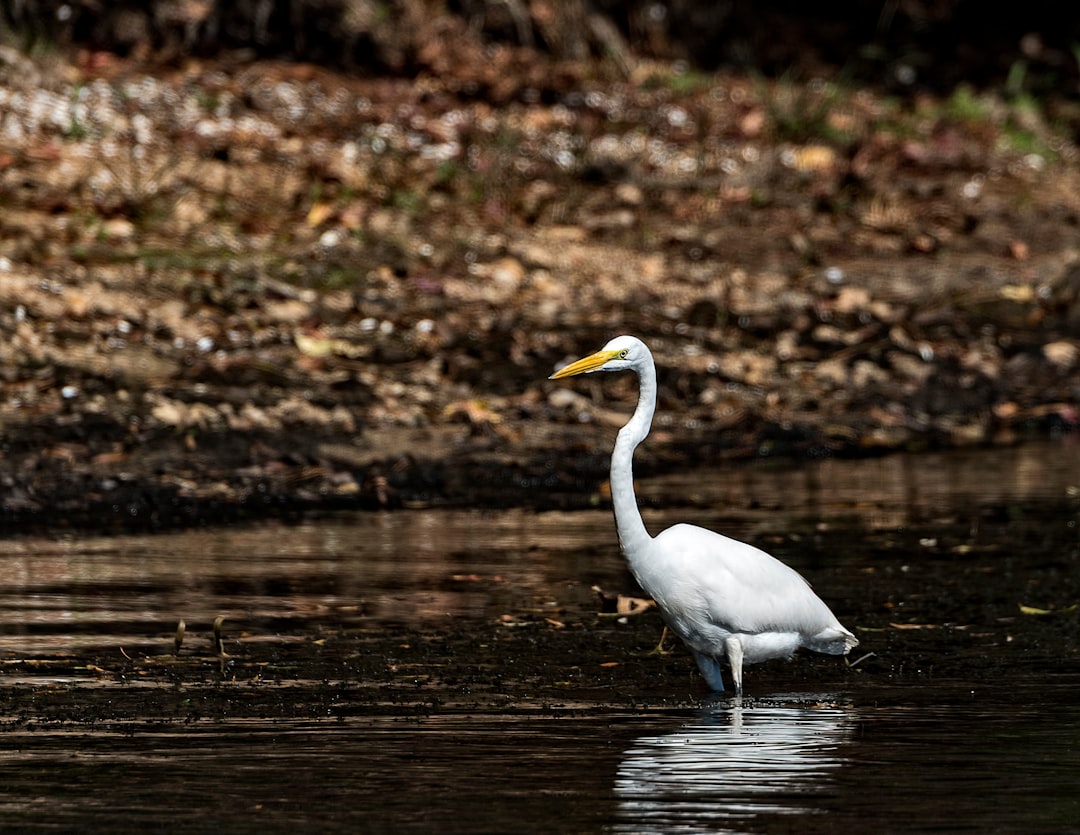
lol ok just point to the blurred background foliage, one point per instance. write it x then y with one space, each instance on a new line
1032 47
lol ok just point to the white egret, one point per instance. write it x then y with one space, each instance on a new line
724 598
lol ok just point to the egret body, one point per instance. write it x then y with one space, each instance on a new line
724 598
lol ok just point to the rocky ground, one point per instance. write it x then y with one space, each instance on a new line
230 289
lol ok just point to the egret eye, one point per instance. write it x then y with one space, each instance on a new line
623 353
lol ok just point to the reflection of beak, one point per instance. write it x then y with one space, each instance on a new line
593 362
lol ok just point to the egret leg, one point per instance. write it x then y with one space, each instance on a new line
710 670
735 655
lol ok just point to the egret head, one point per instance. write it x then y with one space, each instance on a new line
623 353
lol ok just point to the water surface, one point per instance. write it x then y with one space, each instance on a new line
773 765
447 670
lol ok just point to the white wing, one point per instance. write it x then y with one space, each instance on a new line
698 574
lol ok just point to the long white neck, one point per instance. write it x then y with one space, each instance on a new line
633 536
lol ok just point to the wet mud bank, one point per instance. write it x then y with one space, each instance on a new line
168 483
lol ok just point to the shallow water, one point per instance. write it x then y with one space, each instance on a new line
803 765
446 670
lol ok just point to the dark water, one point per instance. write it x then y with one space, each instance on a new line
966 717
967 763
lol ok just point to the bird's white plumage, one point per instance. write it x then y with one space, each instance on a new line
724 598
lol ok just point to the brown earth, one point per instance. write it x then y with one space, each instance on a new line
231 289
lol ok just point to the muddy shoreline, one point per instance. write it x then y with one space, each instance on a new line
236 290
560 477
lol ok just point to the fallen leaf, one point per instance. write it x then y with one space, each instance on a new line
1062 353
1019 250
318 347
476 411
1033 610
319 213
1018 292
1006 410
752 123
627 605
621 604
810 158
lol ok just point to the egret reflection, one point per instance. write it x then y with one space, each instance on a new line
729 766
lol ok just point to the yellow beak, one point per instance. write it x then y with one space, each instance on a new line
584 365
